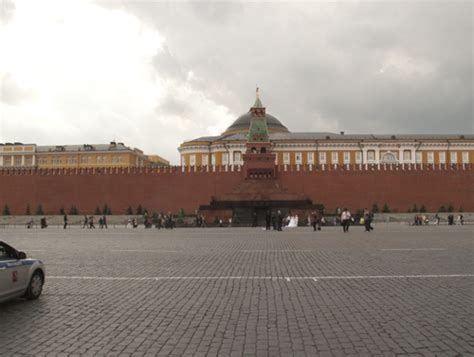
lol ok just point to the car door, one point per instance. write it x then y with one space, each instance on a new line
7 288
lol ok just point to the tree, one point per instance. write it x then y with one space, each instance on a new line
109 211
375 208
97 211
422 209
409 210
39 210
6 210
385 209
73 210
450 208
461 209
414 209
181 216
28 210
129 211
442 209
61 211
139 210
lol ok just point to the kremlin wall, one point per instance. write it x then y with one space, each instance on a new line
257 165
172 188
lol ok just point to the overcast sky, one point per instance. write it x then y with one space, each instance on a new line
153 74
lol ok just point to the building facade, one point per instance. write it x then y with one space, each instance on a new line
323 148
75 156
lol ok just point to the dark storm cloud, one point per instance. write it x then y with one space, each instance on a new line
374 67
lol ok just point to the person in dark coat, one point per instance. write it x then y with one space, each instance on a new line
274 221
279 220
367 221
268 220
254 219
315 220
65 221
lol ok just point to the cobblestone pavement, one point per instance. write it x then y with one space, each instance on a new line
399 290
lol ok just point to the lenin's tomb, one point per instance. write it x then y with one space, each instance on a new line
258 164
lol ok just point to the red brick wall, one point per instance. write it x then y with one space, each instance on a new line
171 191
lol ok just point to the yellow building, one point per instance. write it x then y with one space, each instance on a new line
156 160
322 148
75 156
17 155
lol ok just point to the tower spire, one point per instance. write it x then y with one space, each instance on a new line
258 102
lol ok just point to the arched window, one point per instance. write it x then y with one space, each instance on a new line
389 157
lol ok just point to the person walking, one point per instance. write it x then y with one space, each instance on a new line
104 221
279 221
315 220
65 221
268 220
368 220
345 220
91 222
86 222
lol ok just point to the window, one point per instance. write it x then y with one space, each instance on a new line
407 155
371 155
358 157
418 157
310 158
84 159
116 159
213 159
183 160
205 160
347 157
286 158
334 157
298 158
237 157
322 158
17 160
465 157
192 160
430 157
389 157
442 157
225 158
453 156
28 161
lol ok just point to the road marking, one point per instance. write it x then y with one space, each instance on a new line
410 249
273 278
144 251
275 251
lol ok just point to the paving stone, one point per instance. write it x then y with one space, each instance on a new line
242 291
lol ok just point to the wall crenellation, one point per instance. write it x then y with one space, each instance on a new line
186 170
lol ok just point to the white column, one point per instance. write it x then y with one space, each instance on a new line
364 156
1 160
33 160
413 155
231 157
377 155
400 156
22 160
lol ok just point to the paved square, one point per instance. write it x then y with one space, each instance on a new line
238 291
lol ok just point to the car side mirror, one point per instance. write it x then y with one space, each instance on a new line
21 255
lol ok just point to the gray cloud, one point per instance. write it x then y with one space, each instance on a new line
319 64
7 11
11 92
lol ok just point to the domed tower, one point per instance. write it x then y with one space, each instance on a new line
259 162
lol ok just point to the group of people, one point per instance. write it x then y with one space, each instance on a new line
88 222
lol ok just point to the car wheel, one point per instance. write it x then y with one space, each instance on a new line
35 287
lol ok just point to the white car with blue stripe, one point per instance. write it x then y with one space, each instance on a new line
19 276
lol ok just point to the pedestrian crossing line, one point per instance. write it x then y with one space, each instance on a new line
273 278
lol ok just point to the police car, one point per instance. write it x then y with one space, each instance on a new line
19 276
